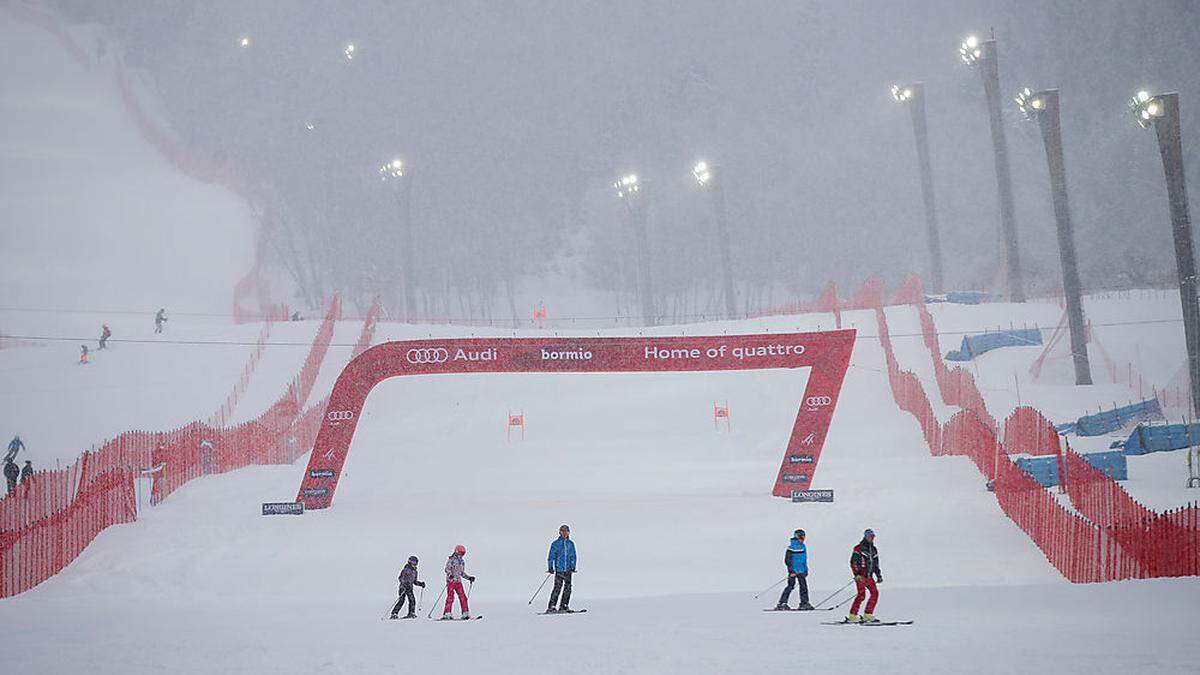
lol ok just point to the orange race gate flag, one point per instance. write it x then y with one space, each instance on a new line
721 412
826 354
517 420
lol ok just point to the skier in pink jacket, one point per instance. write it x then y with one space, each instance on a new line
455 572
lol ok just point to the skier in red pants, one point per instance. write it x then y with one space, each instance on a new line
455 573
864 563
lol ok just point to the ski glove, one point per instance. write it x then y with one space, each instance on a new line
469 578
419 583
549 571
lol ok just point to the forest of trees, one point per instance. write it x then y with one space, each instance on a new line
514 119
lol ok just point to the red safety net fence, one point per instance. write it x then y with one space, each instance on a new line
1109 536
51 517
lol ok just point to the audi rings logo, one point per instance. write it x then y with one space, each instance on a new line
428 355
814 402
341 415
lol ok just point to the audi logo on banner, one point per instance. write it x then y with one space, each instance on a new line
340 416
427 355
814 402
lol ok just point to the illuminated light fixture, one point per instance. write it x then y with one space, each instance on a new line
903 92
1146 108
244 41
702 172
971 50
393 170
349 51
1030 103
627 186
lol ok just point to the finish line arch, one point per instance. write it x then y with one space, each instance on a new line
827 353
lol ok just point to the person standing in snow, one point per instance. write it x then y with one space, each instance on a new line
10 473
26 471
105 333
159 319
795 559
864 563
408 579
83 354
456 571
561 563
14 446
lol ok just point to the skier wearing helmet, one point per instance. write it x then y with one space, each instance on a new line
456 571
408 579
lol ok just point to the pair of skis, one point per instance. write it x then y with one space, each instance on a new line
844 622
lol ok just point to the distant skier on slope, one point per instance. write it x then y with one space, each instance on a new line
10 474
456 571
159 319
83 355
408 579
864 563
105 333
795 559
561 563
14 446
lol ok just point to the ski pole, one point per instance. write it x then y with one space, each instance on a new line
421 604
835 593
771 586
435 602
539 590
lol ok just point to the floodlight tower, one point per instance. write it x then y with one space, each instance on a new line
1042 107
703 173
913 96
394 172
982 54
629 190
1161 111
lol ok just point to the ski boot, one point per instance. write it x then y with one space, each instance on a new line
782 607
869 618
566 610
466 616
853 618
447 617
410 615
805 607
551 610
393 617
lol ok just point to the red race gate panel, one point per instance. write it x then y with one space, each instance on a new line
828 354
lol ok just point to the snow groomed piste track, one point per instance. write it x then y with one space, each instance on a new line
827 354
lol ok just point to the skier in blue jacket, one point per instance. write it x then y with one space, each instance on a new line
796 561
561 563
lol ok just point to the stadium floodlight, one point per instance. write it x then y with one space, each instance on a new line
350 51
627 186
1042 107
903 92
1146 108
971 50
703 173
1161 111
983 56
629 189
912 96
392 170
244 41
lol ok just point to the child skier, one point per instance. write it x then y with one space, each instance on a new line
456 571
159 319
864 563
795 559
408 579
105 333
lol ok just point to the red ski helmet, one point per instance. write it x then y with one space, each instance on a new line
460 549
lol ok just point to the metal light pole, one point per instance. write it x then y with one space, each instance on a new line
1043 108
704 175
1162 112
982 54
913 95
630 191
394 172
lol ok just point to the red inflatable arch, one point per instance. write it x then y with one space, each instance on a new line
828 354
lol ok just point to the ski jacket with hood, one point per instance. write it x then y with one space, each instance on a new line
408 575
456 569
796 557
864 561
562 555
